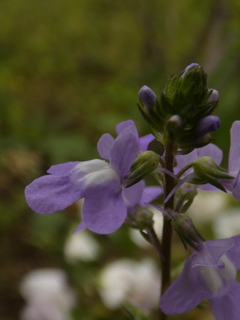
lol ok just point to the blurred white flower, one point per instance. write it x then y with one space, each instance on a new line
135 235
127 280
81 246
47 295
227 224
207 206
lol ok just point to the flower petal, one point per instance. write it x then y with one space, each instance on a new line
132 195
227 306
183 160
234 253
234 155
124 152
149 194
216 248
236 187
103 210
52 193
185 293
62 168
104 145
211 150
144 142
127 124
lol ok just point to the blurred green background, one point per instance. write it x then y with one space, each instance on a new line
70 71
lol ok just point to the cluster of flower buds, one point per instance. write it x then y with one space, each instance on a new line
183 112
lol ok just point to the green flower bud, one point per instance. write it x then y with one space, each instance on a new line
187 232
149 107
174 127
144 164
142 219
193 83
207 171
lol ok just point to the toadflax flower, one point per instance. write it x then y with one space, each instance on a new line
97 181
208 273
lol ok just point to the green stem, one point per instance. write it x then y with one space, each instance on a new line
167 227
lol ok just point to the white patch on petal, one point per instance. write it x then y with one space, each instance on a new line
90 166
218 281
93 172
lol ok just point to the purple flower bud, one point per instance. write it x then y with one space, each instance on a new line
192 65
214 97
207 125
147 96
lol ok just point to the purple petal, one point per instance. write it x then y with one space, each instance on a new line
207 187
62 168
149 194
211 150
103 210
227 306
236 188
144 142
185 293
234 155
147 96
183 160
216 248
82 226
207 124
104 145
52 193
124 152
234 253
132 195
126 124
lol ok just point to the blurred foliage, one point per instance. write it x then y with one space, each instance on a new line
70 71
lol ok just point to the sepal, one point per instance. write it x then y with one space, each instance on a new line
142 219
144 164
207 171
187 232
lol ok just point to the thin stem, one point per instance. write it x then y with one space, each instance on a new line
167 227
155 241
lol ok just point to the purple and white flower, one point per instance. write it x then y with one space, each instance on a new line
97 181
209 273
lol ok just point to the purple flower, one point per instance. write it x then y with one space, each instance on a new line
233 185
97 181
208 273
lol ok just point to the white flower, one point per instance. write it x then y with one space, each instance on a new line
207 205
81 246
227 224
47 294
126 280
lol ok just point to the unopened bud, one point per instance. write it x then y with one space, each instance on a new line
207 171
187 232
144 164
190 66
207 124
214 96
174 126
193 83
147 96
